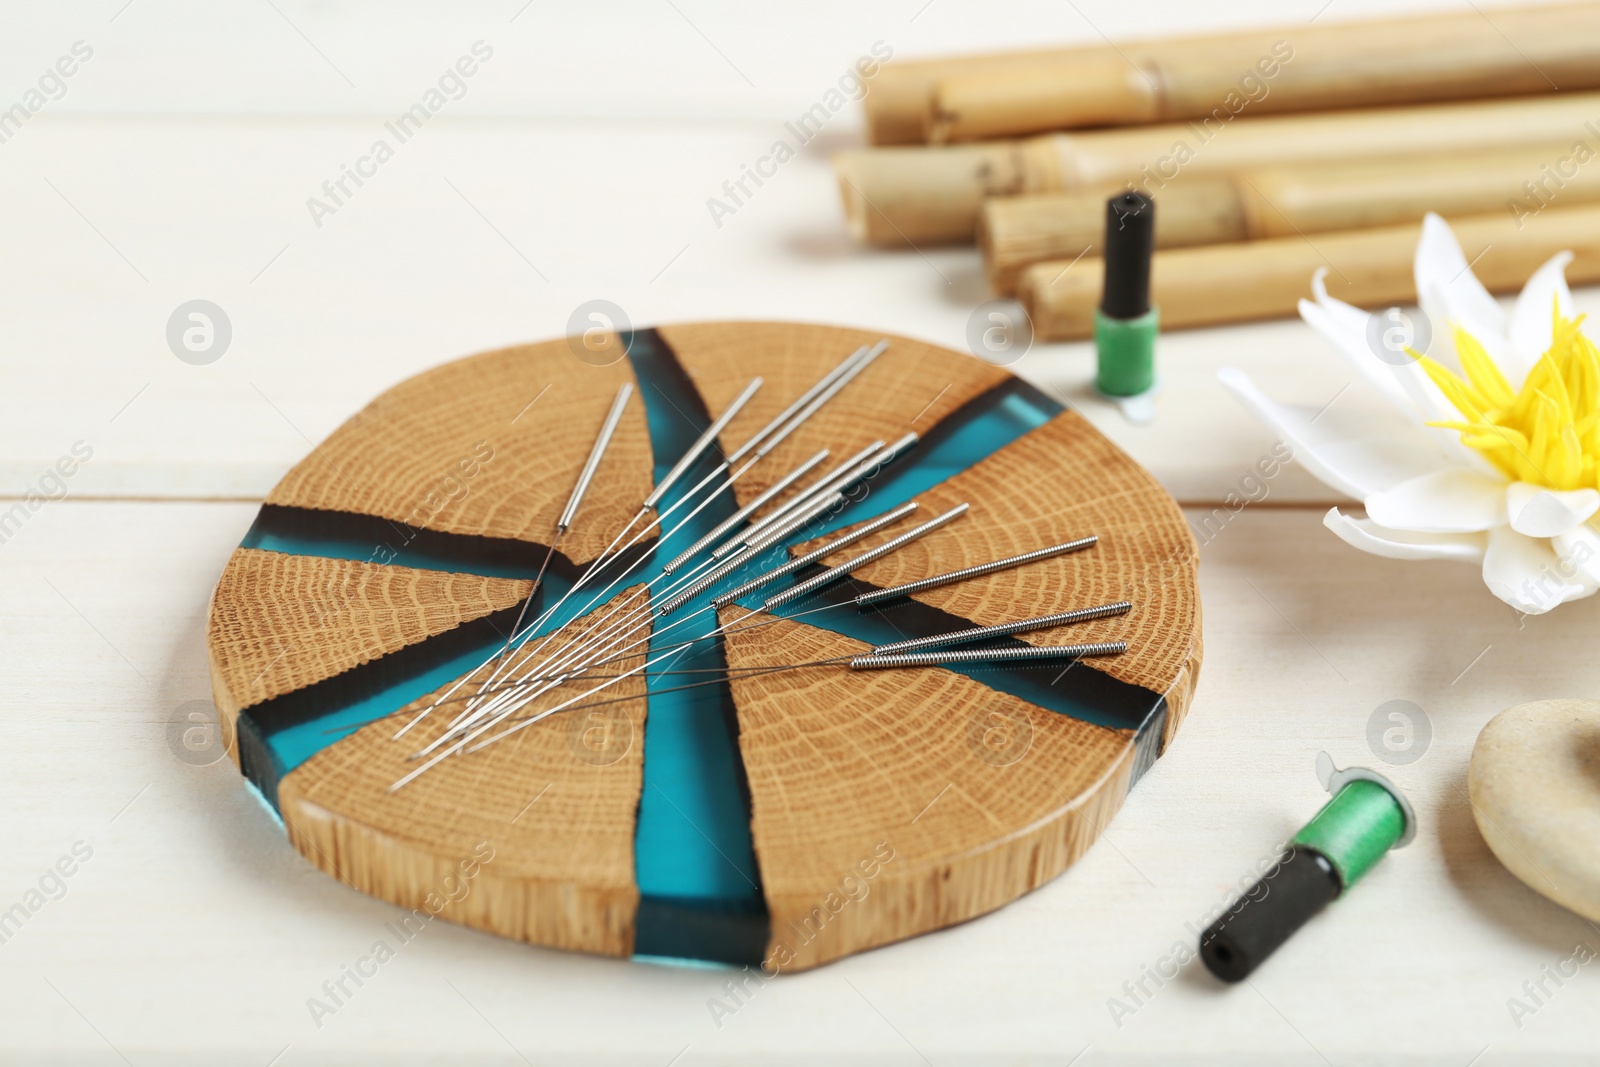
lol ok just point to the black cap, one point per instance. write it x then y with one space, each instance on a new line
1130 238
1302 884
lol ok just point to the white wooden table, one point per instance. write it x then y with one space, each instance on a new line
177 165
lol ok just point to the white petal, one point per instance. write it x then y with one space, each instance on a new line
1578 554
1525 573
1372 455
1540 512
1403 383
1444 277
1345 328
1403 544
1530 319
1454 500
1451 296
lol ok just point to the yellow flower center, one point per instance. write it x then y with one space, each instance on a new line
1548 432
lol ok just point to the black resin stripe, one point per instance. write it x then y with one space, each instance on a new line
374 539
260 722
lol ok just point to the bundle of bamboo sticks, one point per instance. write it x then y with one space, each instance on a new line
1269 154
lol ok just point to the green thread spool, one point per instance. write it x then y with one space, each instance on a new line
1366 817
1355 828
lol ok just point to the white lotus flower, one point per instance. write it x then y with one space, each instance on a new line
1491 454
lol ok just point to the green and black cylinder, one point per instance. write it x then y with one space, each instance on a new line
1364 819
1125 324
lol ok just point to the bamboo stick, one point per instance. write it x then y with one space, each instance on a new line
1439 56
1016 232
900 105
900 94
1266 279
919 195
899 102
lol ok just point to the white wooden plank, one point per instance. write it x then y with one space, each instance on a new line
623 58
194 935
474 235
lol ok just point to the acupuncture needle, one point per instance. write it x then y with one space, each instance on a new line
564 523
800 590
521 700
806 405
767 439
692 453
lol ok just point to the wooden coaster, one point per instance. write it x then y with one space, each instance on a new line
713 807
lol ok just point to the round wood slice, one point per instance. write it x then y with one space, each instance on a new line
712 807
